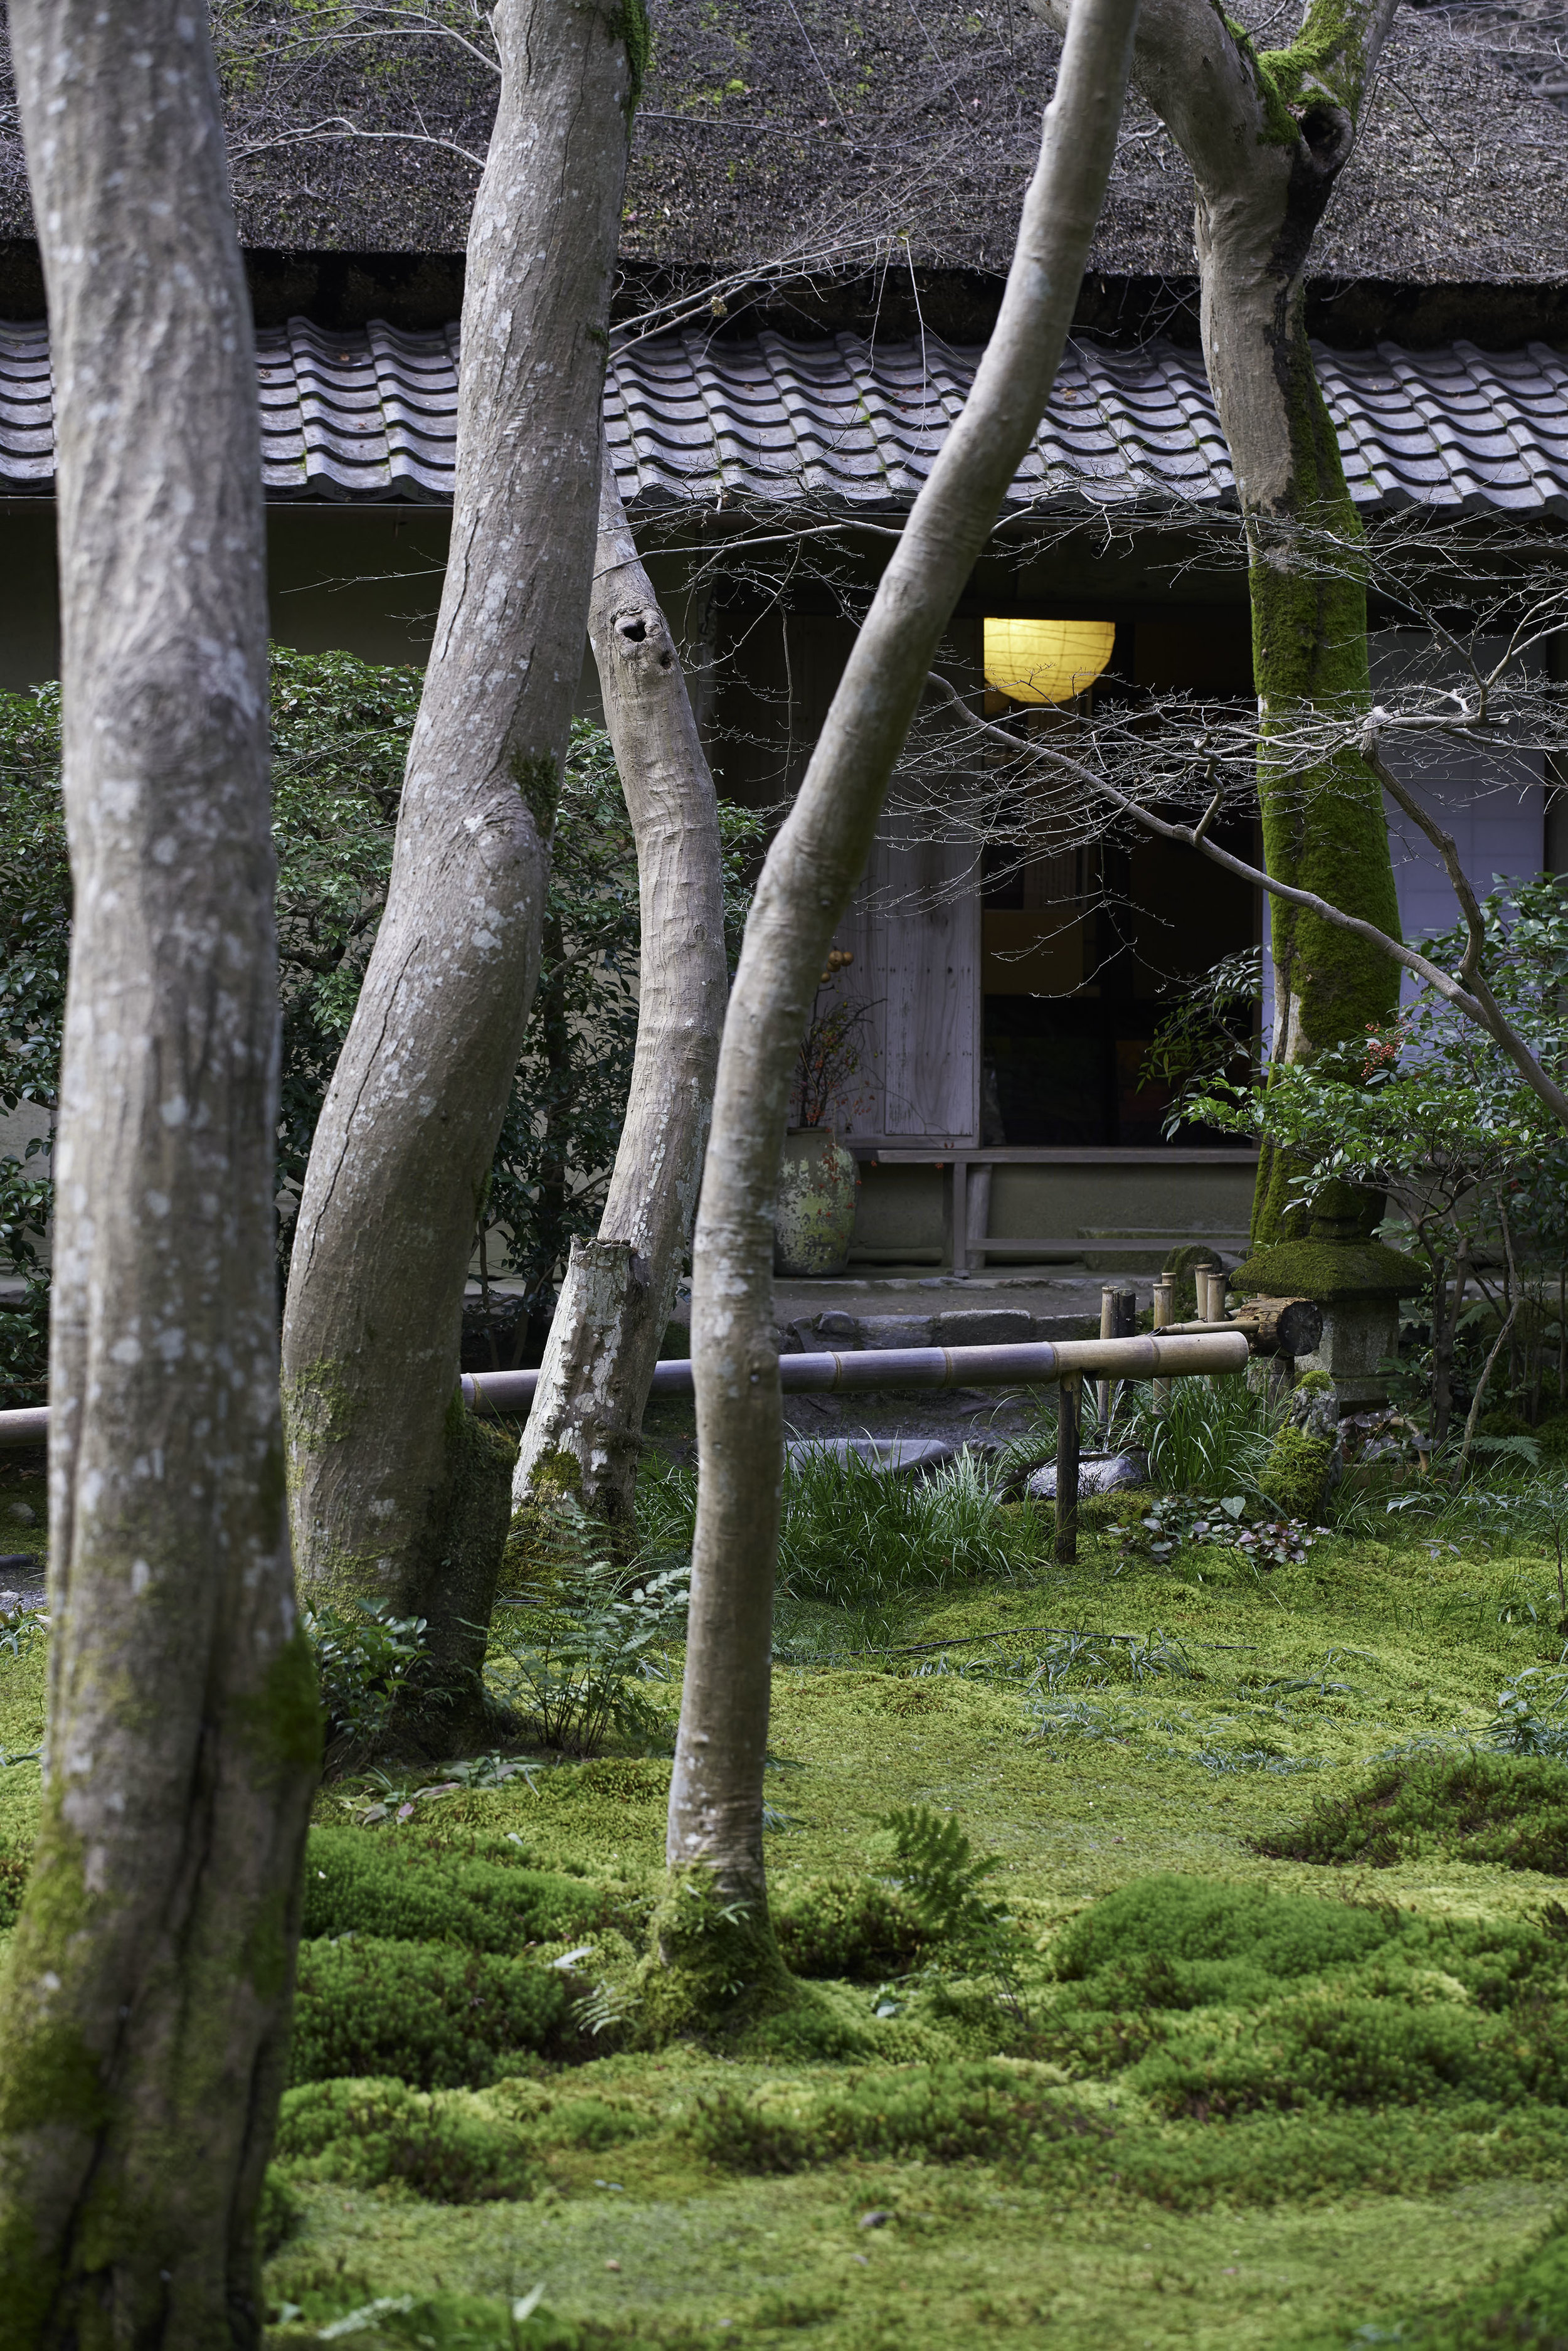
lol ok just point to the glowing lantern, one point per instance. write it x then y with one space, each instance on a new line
1046 661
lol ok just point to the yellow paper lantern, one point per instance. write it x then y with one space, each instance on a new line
1046 661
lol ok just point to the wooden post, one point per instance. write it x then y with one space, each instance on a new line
960 1211
1107 1331
1068 1397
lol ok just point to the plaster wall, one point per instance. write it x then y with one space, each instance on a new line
901 1212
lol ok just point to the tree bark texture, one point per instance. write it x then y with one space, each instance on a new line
583 1431
716 1796
396 1493
144 2008
1267 135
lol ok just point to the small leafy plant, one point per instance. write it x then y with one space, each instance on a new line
588 1642
366 1658
1231 1524
941 1878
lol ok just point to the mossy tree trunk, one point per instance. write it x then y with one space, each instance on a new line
394 1495
599 1365
144 2008
1267 133
715 1837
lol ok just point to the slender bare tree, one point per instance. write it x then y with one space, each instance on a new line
144 2012
583 1430
1266 132
715 1838
397 1493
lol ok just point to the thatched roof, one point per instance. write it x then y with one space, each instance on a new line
869 131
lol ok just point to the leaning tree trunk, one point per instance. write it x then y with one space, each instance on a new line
397 1494
582 1433
144 2012
714 1841
1267 135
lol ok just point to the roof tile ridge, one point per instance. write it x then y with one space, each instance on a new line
917 446
813 447
1354 413
1515 415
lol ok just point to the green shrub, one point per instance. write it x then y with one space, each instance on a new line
984 2113
435 2016
1552 1436
1509 1810
370 2133
852 1927
1503 1422
382 1882
1296 1477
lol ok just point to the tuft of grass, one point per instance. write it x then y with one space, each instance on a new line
857 1540
862 1542
1212 1436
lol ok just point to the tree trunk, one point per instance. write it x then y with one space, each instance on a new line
1267 135
583 1430
397 1494
144 2010
716 1796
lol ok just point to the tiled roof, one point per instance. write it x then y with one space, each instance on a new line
846 424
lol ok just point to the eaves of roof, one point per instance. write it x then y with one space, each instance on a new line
845 426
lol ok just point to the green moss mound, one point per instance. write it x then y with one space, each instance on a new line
372 2132
369 1882
852 1927
1508 1809
1174 1921
1338 2052
937 2114
1297 1474
437 2017
1552 1436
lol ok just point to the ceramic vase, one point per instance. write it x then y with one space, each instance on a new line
815 1217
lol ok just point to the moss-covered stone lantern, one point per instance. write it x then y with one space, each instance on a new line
1358 1284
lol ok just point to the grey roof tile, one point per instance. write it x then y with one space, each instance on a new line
848 425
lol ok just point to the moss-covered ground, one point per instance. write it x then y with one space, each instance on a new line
1240 2122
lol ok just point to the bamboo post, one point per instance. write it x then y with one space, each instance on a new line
1069 1401
1107 1331
1165 1297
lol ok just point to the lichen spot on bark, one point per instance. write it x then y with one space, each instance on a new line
320 1405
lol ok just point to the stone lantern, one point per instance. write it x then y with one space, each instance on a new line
1358 1284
